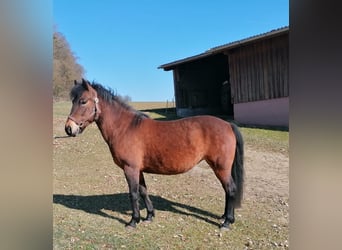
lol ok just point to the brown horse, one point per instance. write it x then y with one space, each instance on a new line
139 144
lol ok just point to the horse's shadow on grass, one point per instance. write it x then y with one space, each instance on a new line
95 204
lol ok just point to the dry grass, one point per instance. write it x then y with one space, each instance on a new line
90 203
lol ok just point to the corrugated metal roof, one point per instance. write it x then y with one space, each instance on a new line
221 48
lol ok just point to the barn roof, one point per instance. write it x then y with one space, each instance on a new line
221 48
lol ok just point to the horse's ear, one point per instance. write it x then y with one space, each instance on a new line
85 84
75 82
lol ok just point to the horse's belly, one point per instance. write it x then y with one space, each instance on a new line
170 166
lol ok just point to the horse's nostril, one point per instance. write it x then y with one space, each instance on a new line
68 130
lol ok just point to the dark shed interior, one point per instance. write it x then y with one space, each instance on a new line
203 85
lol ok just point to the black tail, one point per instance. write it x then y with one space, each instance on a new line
238 169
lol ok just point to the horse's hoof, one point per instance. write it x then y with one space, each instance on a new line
130 227
148 220
225 227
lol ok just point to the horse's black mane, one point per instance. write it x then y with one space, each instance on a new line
108 95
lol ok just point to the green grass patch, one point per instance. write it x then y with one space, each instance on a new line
266 139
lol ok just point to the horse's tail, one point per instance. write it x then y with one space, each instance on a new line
238 169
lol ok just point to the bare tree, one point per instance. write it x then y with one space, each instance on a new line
65 67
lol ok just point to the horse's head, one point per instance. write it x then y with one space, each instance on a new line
85 108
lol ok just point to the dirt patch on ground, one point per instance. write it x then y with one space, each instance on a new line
267 174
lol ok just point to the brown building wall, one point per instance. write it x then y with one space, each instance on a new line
259 71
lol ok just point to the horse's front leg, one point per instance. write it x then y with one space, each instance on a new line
146 198
132 177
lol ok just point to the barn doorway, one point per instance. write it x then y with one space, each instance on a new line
226 100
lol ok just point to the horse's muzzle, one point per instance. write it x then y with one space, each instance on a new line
71 128
68 130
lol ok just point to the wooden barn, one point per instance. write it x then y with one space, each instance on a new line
246 80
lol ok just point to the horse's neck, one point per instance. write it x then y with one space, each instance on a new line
114 120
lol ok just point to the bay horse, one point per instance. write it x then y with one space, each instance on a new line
139 144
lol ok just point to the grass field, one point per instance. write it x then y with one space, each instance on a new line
91 204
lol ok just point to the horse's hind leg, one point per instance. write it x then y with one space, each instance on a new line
229 187
146 198
228 215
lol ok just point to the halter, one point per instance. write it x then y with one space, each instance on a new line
95 113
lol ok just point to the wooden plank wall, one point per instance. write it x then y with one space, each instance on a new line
260 71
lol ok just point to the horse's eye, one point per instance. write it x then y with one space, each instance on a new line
82 101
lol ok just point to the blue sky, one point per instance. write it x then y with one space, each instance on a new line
121 43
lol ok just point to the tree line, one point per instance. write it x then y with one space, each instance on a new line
66 69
